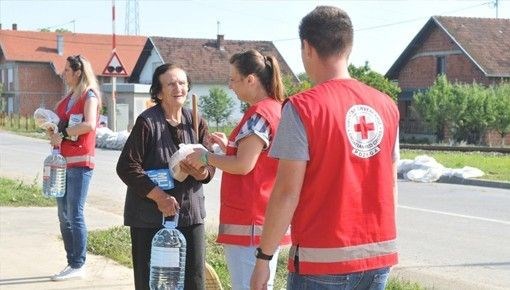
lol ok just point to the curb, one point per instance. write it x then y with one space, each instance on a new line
475 182
466 181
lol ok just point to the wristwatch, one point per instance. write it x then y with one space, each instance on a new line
63 134
262 256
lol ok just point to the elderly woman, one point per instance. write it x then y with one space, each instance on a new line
155 137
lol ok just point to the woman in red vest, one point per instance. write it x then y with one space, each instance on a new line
248 173
78 113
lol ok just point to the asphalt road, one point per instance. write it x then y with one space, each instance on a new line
450 236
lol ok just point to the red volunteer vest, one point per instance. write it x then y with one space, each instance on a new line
79 153
345 218
244 197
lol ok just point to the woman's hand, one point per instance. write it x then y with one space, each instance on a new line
199 174
220 139
167 204
196 158
55 139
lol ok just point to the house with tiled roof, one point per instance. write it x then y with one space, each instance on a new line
465 49
31 64
205 60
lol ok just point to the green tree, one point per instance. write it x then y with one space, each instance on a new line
501 106
217 106
292 87
243 106
374 79
473 107
435 106
58 30
62 30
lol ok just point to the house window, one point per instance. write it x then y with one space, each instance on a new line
441 65
10 79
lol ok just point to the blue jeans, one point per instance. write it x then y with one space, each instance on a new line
241 262
369 280
71 217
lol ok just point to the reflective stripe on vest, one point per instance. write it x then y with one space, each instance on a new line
82 158
242 230
343 254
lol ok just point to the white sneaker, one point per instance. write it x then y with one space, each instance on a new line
69 273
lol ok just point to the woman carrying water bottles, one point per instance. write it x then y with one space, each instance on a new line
156 135
248 172
76 137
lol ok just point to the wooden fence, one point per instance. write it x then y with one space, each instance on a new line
16 122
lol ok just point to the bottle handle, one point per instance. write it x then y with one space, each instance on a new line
173 222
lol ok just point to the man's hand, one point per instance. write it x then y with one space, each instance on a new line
260 275
199 174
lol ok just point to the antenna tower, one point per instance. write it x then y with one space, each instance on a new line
132 17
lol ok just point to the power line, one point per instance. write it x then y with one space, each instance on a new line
398 22
418 18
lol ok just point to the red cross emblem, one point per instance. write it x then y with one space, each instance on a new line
363 127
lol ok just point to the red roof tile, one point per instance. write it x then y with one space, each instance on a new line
485 40
32 46
205 62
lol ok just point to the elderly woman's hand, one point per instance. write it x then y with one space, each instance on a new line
166 203
199 174
198 158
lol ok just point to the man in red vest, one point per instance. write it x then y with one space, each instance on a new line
337 146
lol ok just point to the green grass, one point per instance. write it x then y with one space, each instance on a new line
496 166
17 193
400 284
115 244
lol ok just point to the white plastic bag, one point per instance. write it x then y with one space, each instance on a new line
425 175
46 119
184 150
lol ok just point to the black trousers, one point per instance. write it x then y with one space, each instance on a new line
141 241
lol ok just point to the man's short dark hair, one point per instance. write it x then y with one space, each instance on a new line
328 29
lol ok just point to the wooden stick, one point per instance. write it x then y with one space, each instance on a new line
194 102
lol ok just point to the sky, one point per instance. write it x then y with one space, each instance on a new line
382 29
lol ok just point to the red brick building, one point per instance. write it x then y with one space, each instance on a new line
31 64
464 49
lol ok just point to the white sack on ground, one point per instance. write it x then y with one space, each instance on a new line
426 169
106 138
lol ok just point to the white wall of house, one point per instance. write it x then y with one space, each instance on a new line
135 96
152 63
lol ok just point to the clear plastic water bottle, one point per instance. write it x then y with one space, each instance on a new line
168 257
54 175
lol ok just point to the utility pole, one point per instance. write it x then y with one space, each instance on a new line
132 18
113 113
